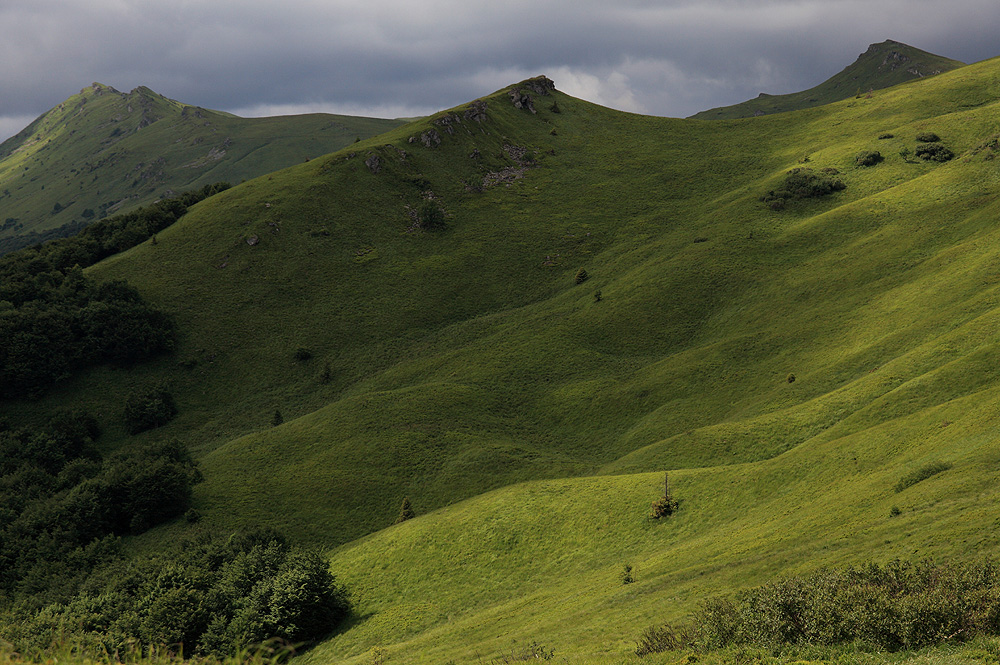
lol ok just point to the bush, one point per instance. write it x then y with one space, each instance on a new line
868 158
934 152
147 410
886 135
928 137
900 605
923 473
802 183
431 217
302 354
405 511
665 506
581 276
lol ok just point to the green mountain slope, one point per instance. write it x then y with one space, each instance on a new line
883 65
103 151
788 366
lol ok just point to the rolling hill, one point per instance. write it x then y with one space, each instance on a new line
883 65
414 307
103 151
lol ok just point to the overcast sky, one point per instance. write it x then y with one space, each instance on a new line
395 58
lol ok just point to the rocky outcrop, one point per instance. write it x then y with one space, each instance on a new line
477 111
373 163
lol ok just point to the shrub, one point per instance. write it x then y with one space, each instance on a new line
303 354
581 276
657 639
665 506
802 183
626 575
868 158
923 473
886 135
934 152
928 137
405 511
277 418
900 605
431 217
147 410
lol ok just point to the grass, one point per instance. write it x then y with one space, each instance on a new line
875 69
530 425
108 152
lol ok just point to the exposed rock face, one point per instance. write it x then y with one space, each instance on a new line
540 85
448 122
431 138
373 163
521 100
476 111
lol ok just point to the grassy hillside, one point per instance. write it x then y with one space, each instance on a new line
883 65
103 151
788 366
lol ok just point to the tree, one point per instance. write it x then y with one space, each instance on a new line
277 419
405 511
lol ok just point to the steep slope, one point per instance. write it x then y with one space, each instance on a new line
103 151
883 65
788 366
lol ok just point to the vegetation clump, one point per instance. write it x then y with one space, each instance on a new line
148 409
923 473
431 217
581 276
802 183
214 596
405 511
928 137
900 605
868 158
934 152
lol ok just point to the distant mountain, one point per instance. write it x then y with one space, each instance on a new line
103 151
883 65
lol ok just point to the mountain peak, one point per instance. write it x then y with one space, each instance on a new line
882 65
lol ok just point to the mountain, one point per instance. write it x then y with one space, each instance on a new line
883 65
520 312
103 151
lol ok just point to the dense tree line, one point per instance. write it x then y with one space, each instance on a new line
54 320
62 505
206 596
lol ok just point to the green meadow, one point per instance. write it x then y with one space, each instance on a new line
102 152
790 368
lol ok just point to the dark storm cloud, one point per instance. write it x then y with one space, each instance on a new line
393 57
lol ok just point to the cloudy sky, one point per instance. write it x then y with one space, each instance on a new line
394 58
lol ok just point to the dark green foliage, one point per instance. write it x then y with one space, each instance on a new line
657 639
431 216
581 276
277 418
148 409
214 596
928 137
597 296
886 135
326 374
626 575
802 183
868 158
405 511
665 506
54 320
900 605
934 152
61 505
895 511
923 473
303 354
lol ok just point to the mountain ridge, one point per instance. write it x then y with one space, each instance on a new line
102 151
882 65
